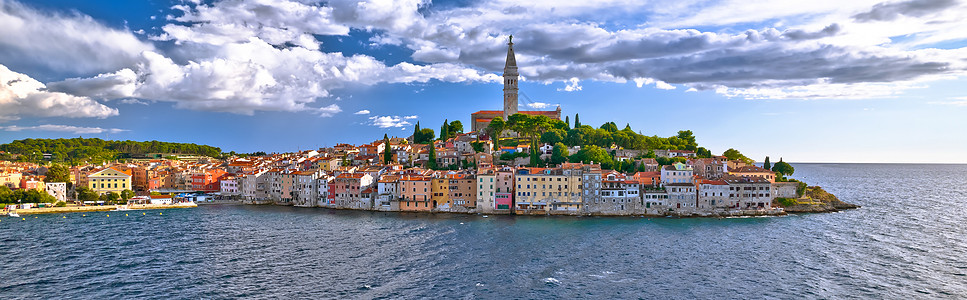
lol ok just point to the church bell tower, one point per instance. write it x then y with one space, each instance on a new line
510 81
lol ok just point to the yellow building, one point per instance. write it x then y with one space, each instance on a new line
440 188
549 190
109 180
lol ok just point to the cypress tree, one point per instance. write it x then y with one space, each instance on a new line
567 121
431 164
387 153
766 165
577 121
416 132
444 130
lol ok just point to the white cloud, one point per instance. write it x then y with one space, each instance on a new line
248 56
133 101
63 128
329 111
658 83
252 55
21 95
362 112
571 85
819 37
540 105
388 121
410 117
75 43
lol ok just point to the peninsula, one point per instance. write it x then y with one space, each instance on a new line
510 162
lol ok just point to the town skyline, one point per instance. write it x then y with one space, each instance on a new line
863 82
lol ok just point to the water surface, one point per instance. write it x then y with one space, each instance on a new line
908 241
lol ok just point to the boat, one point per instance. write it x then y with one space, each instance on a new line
122 208
13 214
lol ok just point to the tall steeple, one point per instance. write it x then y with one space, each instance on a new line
510 80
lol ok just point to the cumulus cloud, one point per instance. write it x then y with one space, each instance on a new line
63 128
133 101
571 85
75 43
773 58
913 8
22 95
247 56
329 111
410 117
362 112
250 55
388 121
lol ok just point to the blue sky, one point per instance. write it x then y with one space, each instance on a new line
809 81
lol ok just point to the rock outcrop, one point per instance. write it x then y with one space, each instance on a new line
816 200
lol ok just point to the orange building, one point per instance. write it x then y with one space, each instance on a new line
414 193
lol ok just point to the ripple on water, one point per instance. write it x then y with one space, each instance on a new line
899 245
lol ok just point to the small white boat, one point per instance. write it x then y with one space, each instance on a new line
13 214
122 208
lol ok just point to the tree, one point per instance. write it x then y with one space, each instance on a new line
553 136
416 132
733 154
567 120
444 130
559 154
591 154
577 121
610 127
86 194
113 196
477 147
535 155
455 127
431 162
783 168
701 152
494 129
126 194
57 173
687 140
424 136
387 151
766 165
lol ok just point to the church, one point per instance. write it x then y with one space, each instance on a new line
482 118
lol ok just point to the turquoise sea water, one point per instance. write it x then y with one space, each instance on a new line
907 241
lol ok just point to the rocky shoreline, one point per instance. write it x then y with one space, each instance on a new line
817 200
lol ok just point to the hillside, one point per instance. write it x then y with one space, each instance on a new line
94 150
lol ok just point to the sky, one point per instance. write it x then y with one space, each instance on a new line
807 81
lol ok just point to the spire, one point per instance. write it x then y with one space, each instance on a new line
511 58
510 81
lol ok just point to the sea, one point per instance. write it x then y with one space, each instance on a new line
909 240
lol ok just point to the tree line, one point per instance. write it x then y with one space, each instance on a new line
94 150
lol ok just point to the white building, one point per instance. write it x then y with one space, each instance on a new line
228 186
714 194
58 190
681 196
677 173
